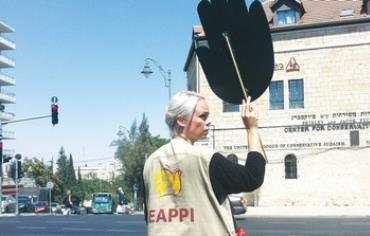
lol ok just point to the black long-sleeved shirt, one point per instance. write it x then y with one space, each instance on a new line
228 177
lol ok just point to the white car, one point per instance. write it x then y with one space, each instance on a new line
238 204
56 208
7 204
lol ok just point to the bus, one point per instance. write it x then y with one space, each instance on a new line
102 203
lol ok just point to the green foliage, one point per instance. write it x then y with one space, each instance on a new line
132 151
62 168
71 175
66 172
36 169
133 147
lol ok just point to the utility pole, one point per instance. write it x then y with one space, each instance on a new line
53 115
16 187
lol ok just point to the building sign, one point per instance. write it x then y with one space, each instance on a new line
314 131
290 67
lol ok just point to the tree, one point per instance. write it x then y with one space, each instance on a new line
132 151
71 175
79 177
34 168
62 167
67 176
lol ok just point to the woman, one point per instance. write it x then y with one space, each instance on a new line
186 186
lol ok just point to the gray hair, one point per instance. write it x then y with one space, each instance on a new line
181 104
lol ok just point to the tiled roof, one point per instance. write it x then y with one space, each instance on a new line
316 13
323 11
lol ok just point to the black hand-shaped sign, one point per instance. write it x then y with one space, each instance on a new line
250 39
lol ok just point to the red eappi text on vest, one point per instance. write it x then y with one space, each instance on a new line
171 215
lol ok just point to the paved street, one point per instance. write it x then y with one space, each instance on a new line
314 226
59 225
94 225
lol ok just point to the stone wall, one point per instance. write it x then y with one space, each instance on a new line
334 65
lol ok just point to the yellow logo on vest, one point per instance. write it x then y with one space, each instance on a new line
168 182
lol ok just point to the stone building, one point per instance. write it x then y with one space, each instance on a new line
315 115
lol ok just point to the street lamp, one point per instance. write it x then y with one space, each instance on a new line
147 71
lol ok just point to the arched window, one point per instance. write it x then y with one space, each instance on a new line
290 166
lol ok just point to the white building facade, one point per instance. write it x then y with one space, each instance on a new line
315 115
6 97
107 171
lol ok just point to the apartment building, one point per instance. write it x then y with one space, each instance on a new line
6 97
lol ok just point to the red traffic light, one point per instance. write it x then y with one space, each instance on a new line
54 107
54 114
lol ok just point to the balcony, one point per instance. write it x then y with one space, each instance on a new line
6 116
6 80
6 44
8 135
6 62
4 28
6 97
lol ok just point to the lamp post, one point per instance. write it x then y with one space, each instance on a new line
147 71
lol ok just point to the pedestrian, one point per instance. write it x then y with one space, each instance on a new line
186 186
121 207
68 203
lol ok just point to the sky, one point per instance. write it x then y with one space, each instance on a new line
89 54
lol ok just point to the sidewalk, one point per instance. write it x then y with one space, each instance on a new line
313 211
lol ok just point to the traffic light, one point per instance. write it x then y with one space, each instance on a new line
54 114
13 169
4 157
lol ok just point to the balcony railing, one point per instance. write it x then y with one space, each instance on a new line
6 116
6 44
6 62
4 28
6 80
7 97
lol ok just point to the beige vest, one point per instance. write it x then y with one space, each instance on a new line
179 195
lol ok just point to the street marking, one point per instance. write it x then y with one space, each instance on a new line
130 222
11 221
77 229
31 227
287 222
354 223
65 222
121 231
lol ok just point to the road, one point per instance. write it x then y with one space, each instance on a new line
325 226
94 225
73 225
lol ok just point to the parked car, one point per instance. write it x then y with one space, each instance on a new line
238 204
8 204
56 208
41 207
74 210
25 204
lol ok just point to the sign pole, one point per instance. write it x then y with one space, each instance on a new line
16 188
